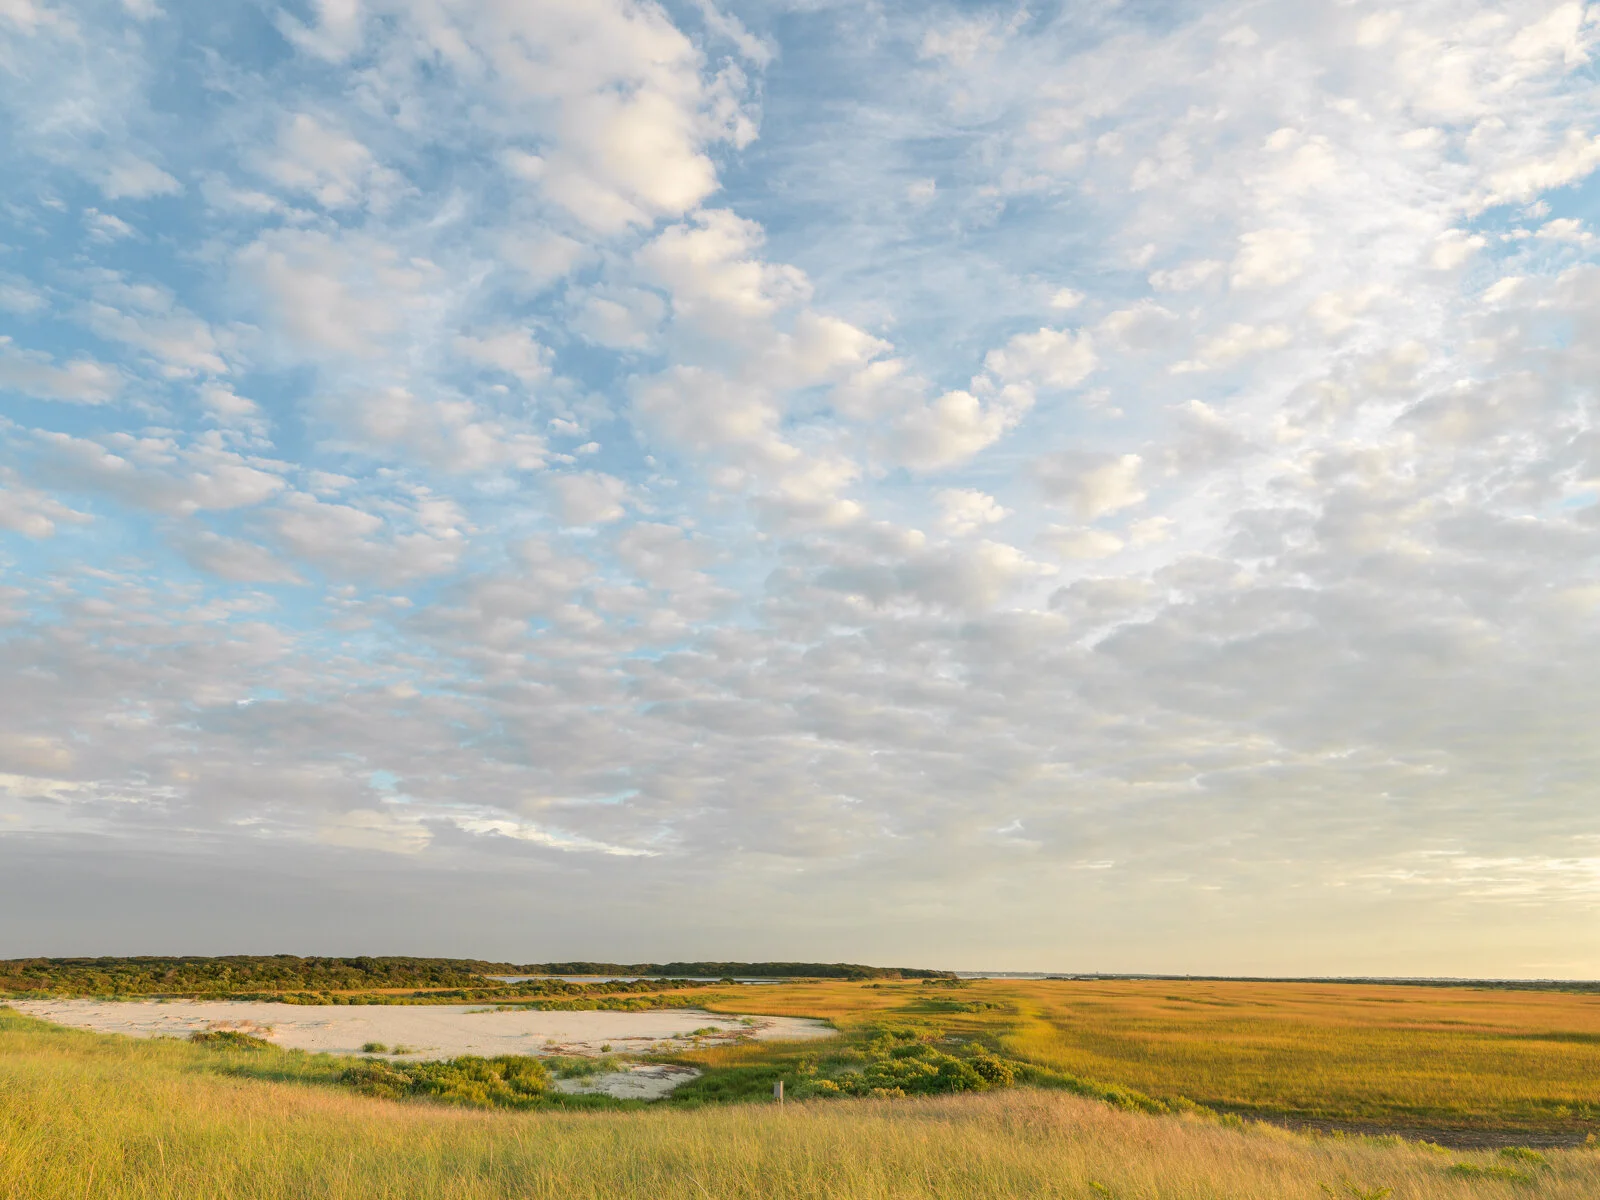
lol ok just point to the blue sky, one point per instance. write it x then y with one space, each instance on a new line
1095 486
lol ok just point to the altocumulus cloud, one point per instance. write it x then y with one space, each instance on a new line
1086 488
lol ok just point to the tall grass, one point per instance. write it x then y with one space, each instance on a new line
1402 1056
84 1115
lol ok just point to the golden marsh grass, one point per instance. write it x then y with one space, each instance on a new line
86 1115
1444 1057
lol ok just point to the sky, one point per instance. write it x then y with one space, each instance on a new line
1089 486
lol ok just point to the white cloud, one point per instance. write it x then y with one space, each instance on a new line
1455 248
35 373
960 42
158 473
132 178
30 16
624 319
1080 542
19 298
452 434
591 498
514 351
337 34
705 410
234 559
1187 277
1558 34
103 227
1091 484
966 510
351 542
227 406
953 427
373 829
345 295
1057 358
712 271
1565 229
1234 343
1271 257
328 164
1578 156
148 317
33 513
543 258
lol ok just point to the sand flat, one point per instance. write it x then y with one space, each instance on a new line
427 1030
637 1081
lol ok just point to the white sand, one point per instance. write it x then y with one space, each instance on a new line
637 1082
428 1031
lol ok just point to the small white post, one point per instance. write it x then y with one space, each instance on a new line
777 1091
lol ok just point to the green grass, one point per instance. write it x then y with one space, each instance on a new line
86 1115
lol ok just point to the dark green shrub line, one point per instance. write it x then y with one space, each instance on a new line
247 974
730 970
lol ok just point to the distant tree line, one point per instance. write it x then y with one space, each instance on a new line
747 970
235 973
312 980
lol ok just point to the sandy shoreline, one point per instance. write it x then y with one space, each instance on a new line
428 1031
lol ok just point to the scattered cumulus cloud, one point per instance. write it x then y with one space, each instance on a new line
497 452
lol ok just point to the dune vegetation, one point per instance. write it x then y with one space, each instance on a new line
86 1114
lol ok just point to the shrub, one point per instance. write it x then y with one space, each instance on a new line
373 1048
1523 1154
896 1064
230 1039
508 1081
1472 1171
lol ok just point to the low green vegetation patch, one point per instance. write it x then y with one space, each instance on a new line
899 1063
230 1039
1491 1171
508 1081
1522 1154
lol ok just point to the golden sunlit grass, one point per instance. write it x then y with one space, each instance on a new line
85 1115
1401 1056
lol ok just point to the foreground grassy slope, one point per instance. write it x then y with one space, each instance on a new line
89 1115
1422 1057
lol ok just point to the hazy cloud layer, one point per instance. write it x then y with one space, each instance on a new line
1062 489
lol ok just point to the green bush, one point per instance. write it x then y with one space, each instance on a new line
1472 1171
509 1081
230 1039
1523 1154
899 1063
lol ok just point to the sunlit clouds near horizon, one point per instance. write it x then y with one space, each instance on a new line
1090 486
